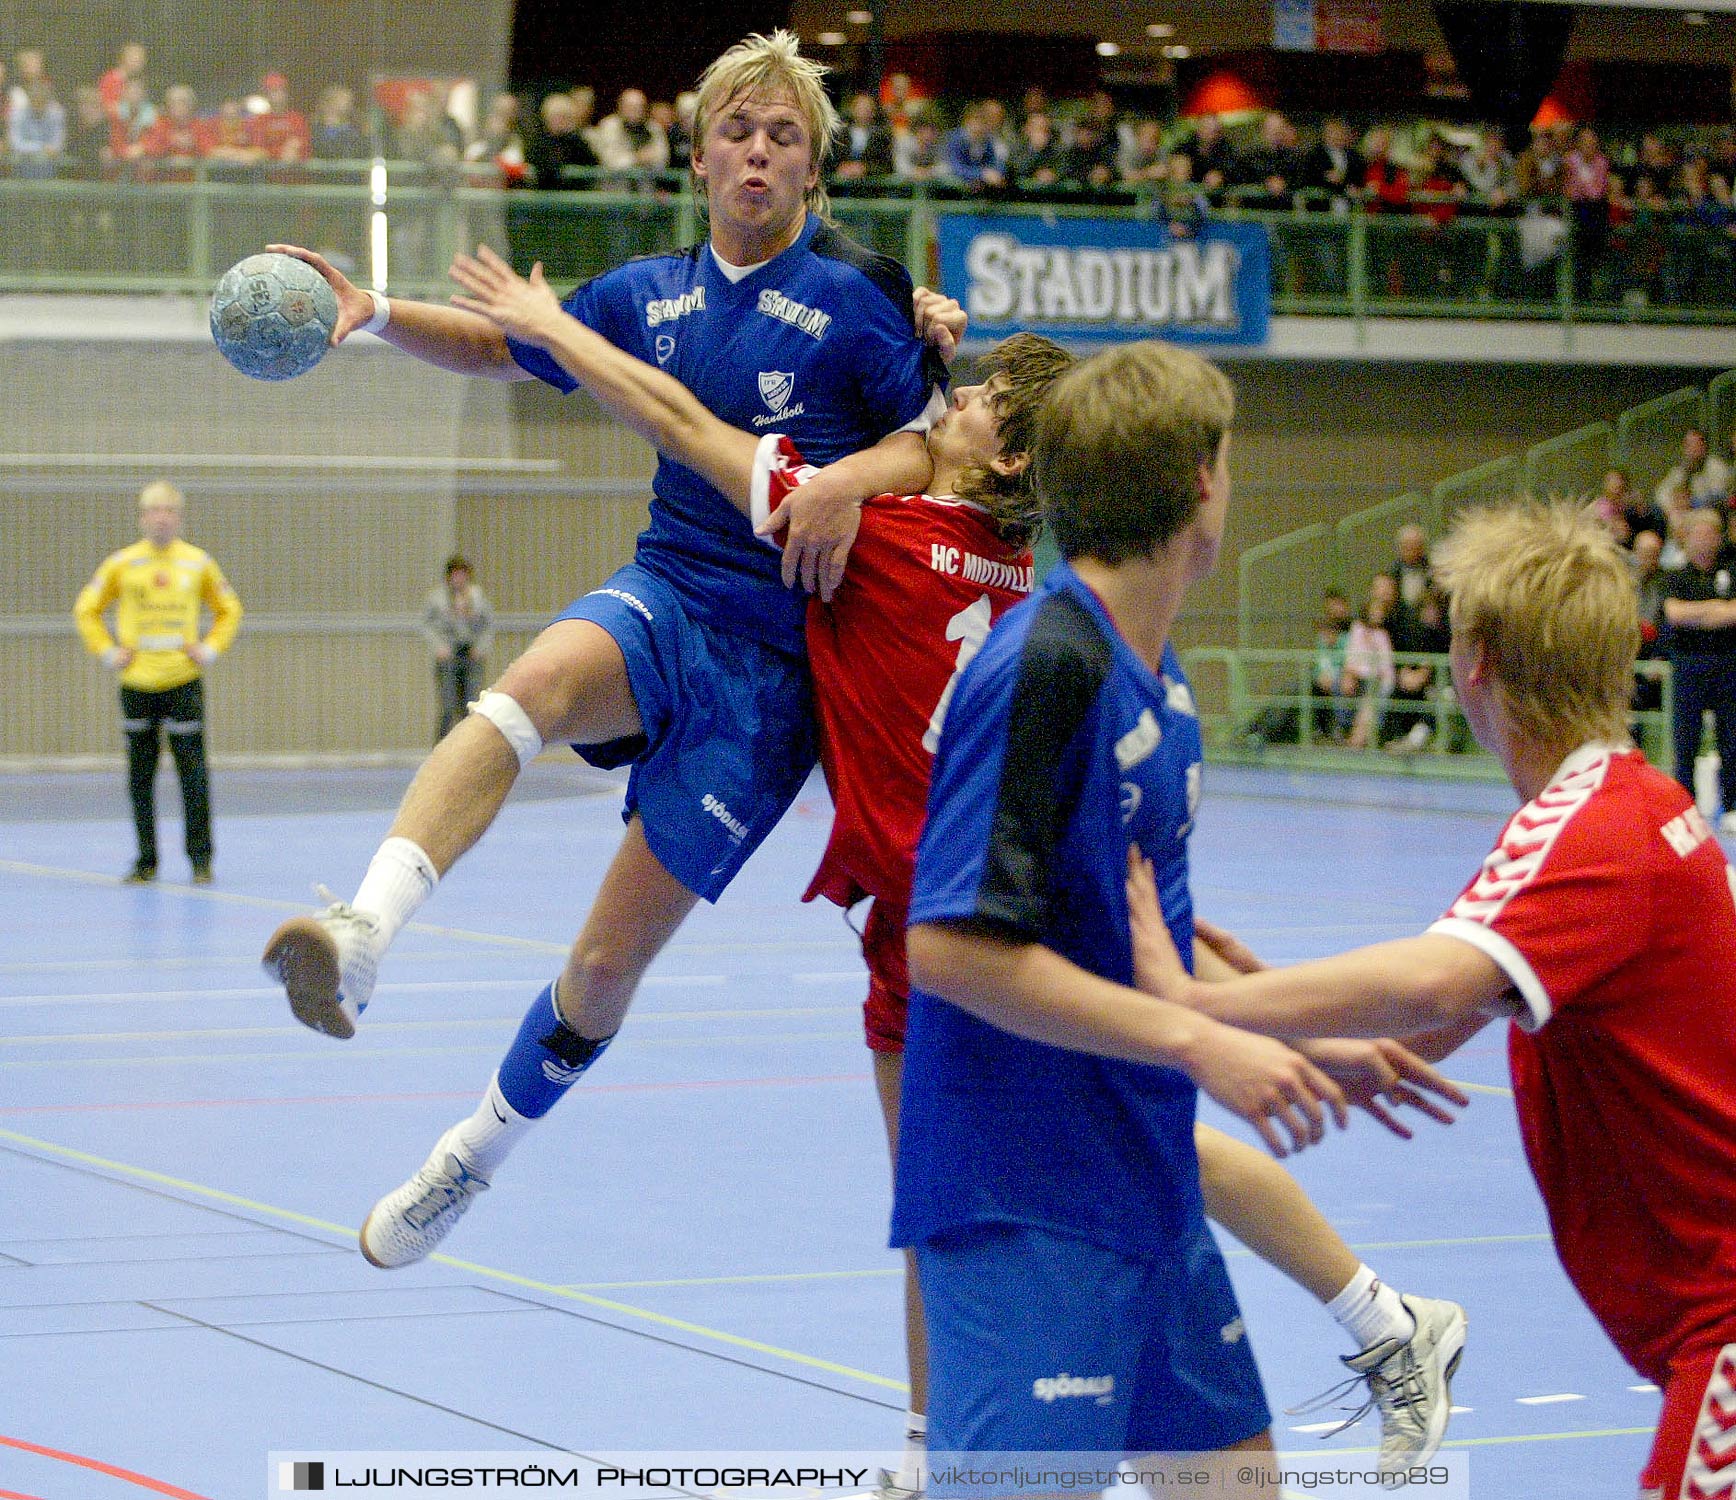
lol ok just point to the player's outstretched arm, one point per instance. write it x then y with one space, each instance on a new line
655 405
1034 992
442 336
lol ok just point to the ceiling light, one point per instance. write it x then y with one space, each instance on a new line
1177 51
1159 30
832 39
861 17
1108 49
1694 17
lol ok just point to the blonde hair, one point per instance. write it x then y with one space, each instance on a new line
161 492
1545 592
761 65
1119 446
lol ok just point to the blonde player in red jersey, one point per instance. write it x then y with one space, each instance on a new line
928 575
1602 926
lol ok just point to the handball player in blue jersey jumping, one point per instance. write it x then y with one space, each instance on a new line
687 664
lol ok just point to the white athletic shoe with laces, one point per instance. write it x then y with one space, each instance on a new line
326 964
411 1220
1409 1383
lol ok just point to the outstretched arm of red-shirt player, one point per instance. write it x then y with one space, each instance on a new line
655 405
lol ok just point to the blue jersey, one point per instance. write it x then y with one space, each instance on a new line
1061 747
818 344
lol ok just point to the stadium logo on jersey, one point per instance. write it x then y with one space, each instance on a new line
776 387
810 320
665 347
1138 743
668 309
1062 1387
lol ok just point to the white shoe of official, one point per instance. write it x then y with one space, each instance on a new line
326 964
410 1221
1411 1382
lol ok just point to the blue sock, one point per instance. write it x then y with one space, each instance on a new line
545 1059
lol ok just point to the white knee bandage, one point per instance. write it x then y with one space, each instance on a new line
513 722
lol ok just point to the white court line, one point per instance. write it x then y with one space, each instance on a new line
1548 1400
1648 1389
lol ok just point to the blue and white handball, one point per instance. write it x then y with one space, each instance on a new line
272 316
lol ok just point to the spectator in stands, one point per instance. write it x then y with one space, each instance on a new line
1272 169
177 135
1334 167
1369 674
1699 477
902 105
1700 609
496 158
1211 162
995 120
1410 570
918 154
1409 722
1617 493
973 156
1657 161
865 148
425 136
36 133
1145 160
680 131
27 67
335 134
1487 170
1184 202
1089 160
131 117
560 145
1644 557
281 132
1331 636
1386 184
1539 173
88 153
1586 176
230 139
1038 157
1441 257
628 141
129 68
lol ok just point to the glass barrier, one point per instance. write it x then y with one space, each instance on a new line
181 225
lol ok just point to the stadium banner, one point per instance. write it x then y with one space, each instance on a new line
1107 278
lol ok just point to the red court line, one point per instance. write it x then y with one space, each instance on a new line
595 1088
156 1486
15 1495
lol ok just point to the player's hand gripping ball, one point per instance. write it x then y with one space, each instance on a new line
272 316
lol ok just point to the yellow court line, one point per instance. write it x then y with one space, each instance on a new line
508 1278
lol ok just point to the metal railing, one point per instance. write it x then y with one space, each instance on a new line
179 230
1260 704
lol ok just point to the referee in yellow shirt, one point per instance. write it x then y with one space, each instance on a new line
157 586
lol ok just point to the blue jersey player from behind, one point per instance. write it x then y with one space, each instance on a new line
1046 1170
688 664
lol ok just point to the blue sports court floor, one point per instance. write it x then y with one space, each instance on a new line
690 1253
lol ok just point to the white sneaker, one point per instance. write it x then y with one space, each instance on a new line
326 964
1727 823
409 1222
1410 1383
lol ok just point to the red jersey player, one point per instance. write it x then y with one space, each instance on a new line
927 577
1602 926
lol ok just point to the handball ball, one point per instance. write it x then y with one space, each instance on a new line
272 316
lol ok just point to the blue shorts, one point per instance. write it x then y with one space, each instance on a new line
1039 1342
729 734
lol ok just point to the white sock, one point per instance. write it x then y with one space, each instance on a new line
1369 1310
909 1476
400 878
489 1135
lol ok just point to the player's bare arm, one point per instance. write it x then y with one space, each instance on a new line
655 405
447 337
1701 614
1376 1074
1034 992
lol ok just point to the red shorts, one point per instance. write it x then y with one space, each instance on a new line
884 1010
1694 1452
